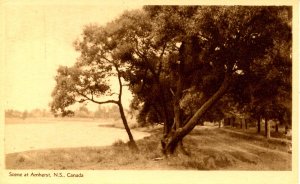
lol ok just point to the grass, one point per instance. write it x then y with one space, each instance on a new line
210 148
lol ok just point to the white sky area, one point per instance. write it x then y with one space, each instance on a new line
37 39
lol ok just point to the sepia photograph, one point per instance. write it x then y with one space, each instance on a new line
98 87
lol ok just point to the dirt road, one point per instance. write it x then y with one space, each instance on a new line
238 152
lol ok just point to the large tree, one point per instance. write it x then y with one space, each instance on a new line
218 47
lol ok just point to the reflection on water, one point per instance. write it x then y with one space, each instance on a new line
23 137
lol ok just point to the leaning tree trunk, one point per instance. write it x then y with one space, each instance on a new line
132 143
170 142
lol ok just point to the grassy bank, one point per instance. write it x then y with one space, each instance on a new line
210 148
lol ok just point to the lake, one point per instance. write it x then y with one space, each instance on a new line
34 136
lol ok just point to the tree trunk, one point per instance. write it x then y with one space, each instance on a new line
226 121
258 124
170 143
276 127
167 126
243 123
168 121
177 111
235 124
286 129
232 121
267 129
132 143
246 123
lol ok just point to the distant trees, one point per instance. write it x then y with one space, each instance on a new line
10 113
83 112
101 112
80 112
107 112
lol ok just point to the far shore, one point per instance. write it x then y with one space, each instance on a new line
109 122
52 119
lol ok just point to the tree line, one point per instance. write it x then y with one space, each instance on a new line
11 113
185 65
103 112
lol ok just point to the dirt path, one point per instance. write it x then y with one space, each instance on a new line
242 152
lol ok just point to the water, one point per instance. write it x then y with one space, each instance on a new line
34 136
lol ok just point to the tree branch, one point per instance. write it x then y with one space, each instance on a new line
92 99
120 83
163 51
81 100
111 94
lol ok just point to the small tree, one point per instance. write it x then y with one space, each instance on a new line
88 79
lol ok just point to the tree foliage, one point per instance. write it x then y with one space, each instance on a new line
219 53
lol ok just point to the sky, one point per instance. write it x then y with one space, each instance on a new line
38 38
